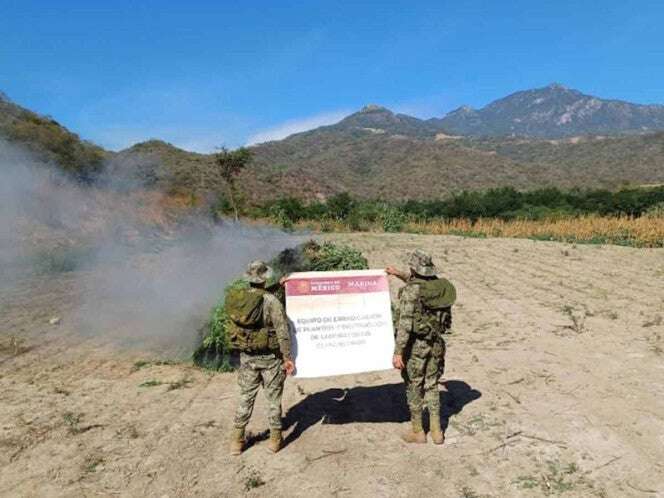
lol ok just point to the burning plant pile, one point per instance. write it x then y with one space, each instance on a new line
214 351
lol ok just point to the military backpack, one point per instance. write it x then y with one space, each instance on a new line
433 312
246 329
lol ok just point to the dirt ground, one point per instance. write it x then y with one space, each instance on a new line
554 385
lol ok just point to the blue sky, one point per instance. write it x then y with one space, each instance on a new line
202 74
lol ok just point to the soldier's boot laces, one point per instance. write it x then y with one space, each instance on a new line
416 434
436 432
275 442
236 442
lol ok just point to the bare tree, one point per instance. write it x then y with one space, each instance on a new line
230 164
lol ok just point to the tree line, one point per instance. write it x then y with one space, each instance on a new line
504 203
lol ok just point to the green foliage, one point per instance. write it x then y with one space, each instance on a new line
232 162
51 141
392 218
329 257
220 207
230 165
503 203
214 352
253 480
655 211
281 218
339 206
72 421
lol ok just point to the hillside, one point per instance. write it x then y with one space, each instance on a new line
367 164
374 153
49 140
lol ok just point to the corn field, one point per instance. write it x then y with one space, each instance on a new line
645 231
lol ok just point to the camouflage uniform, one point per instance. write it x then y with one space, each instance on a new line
424 357
265 368
419 342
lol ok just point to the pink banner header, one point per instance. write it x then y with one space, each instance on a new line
336 285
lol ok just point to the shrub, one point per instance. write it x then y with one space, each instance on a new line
281 218
392 219
656 211
340 206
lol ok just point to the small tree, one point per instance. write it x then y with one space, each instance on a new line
231 164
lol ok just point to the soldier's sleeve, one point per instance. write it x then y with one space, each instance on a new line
407 303
277 317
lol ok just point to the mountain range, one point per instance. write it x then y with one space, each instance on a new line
551 136
551 112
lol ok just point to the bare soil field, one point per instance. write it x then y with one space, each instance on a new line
554 385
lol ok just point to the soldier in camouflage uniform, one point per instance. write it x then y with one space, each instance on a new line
268 368
421 359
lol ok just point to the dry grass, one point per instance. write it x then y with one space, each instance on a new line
646 231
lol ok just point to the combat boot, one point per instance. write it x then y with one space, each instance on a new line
436 432
275 441
416 434
237 441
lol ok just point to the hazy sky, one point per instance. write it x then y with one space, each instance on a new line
202 74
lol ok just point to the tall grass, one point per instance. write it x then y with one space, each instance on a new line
644 231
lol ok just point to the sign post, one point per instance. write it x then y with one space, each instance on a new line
341 322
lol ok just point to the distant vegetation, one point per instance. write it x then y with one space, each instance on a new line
50 141
503 203
645 231
629 217
425 180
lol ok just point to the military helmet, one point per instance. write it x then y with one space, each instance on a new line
420 263
258 272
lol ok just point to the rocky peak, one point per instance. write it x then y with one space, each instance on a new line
371 108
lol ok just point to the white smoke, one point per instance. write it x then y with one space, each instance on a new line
143 278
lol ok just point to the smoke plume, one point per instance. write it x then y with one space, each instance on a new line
146 274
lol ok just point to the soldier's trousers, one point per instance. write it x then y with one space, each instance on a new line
258 370
424 367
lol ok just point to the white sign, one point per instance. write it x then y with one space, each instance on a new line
342 322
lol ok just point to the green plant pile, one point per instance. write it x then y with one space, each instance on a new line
215 352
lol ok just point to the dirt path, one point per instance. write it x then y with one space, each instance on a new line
554 385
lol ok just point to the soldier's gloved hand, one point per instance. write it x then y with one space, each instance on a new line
289 367
397 362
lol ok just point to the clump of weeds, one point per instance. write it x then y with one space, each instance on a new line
72 421
474 425
253 480
91 463
556 479
578 320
